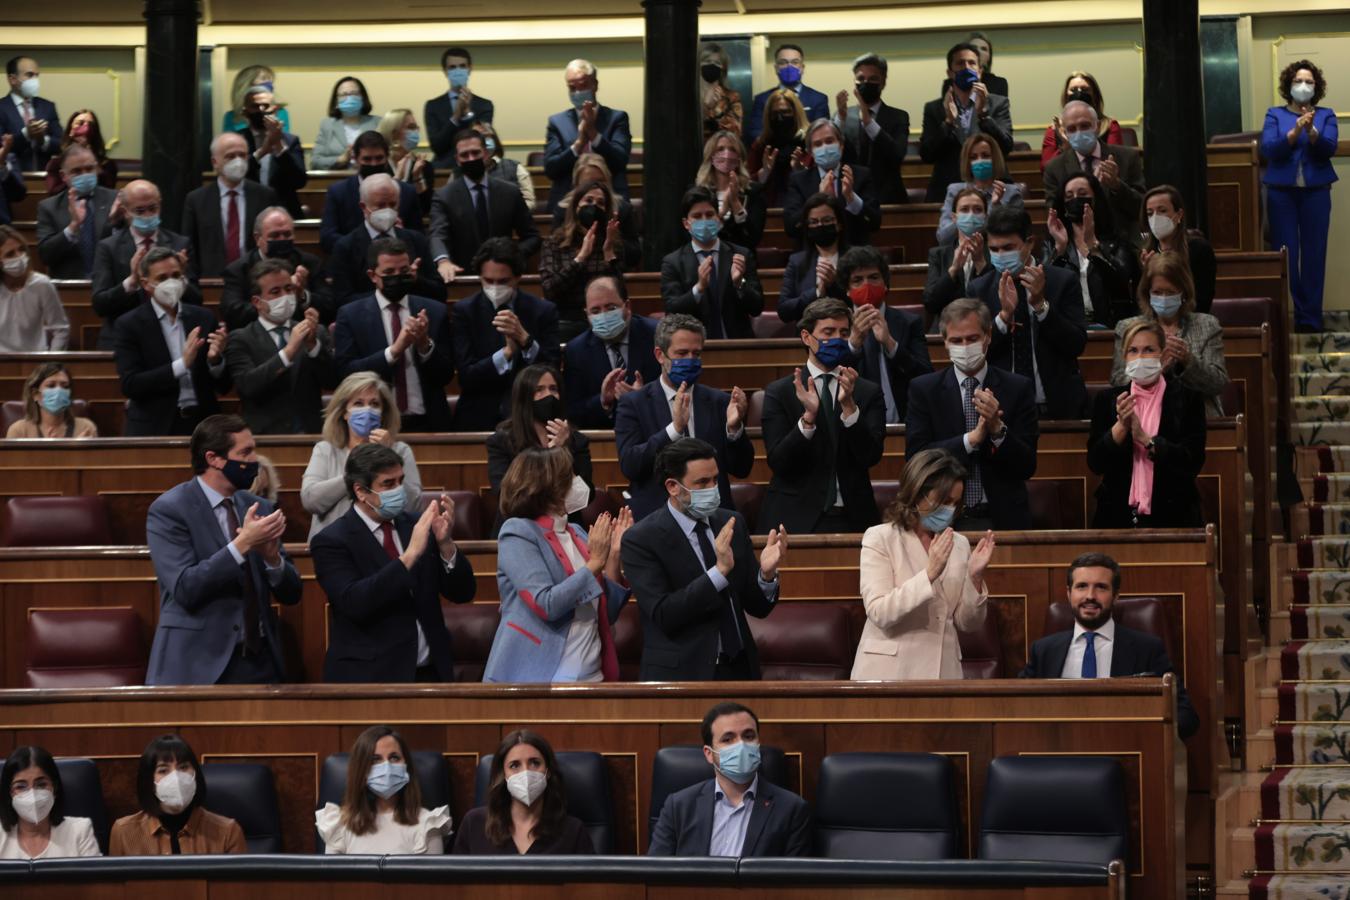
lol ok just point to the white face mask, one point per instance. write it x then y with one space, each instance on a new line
1143 369
234 170
1301 92
527 786
30 88
280 309
16 266
968 358
1161 226
578 496
176 790
383 219
33 806
499 294
169 291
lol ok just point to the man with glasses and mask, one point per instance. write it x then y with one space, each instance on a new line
274 237
70 224
875 135
274 155
217 216
342 212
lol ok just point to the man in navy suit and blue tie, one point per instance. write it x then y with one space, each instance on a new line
32 120
611 358
587 127
342 213
790 63
218 557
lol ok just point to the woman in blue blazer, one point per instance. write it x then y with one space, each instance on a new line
561 589
1298 141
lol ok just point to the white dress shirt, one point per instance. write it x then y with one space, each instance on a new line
416 405
1102 646
581 651
852 207
1035 364
32 318
245 228
848 421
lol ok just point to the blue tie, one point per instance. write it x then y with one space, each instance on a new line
1090 656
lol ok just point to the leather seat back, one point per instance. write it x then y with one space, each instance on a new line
246 793
82 790
804 642
886 806
472 627
68 521
1146 614
93 647
588 795
1059 808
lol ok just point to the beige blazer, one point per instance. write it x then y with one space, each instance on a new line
911 622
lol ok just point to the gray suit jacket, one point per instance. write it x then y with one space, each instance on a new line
279 399
1206 373
61 256
780 823
332 141
1124 198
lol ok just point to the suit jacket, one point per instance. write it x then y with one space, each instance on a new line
202 588
342 210
112 265
236 297
1125 198
1111 271
206 233
615 144
60 255
799 285
941 288
910 360
679 275
276 398
1058 340
287 175
882 155
347 266
376 603
681 610
145 369
31 157
438 114
801 185
802 467
640 421
12 190
332 140
1284 163
485 393
940 143
936 419
586 362
817 106
359 344
780 823
1134 653
1206 373
454 223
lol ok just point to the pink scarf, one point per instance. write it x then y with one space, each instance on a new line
1148 402
609 656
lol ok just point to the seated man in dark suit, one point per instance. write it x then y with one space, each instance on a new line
217 216
403 338
274 237
710 279
31 121
1039 324
707 819
587 127
275 158
966 107
385 570
445 114
380 197
342 212
280 365
673 406
611 358
824 429
889 342
70 224
497 332
1098 647
170 355
694 575
116 286
829 175
875 135
983 416
1120 169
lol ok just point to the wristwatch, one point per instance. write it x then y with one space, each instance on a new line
1150 447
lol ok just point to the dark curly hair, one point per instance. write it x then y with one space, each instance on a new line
1319 80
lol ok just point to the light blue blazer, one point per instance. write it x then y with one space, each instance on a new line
332 141
539 600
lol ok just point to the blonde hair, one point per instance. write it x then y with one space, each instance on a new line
925 472
706 174
335 415
392 123
1142 324
245 80
798 111
265 467
995 155
1176 268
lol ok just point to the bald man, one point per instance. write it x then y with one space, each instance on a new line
274 238
586 127
218 217
1119 169
116 288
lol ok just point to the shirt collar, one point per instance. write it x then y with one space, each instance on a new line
374 234
979 376
559 524
17 98
1107 632
385 302
748 796
687 523
715 249
372 524
213 496
670 391
816 371
161 313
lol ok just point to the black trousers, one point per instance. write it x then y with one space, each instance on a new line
250 668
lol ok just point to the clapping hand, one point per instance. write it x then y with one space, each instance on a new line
216 345
807 397
736 409
979 560
1108 173
680 408
1059 232
1125 417
775 551
726 560
443 525
598 542
559 433
262 533
939 551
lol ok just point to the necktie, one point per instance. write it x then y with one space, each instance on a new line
88 238
1090 656
390 548
282 334
401 365
27 111
231 226
974 486
619 361
827 423
728 628
252 638
480 211
1022 340
715 327
147 244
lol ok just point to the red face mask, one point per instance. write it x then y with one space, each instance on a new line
869 294
80 131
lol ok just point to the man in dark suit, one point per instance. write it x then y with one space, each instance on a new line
380 199
693 572
385 579
280 365
790 63
1098 647
710 279
1039 324
983 416
587 127
875 135
31 120
116 285
218 217
829 175
403 338
342 212
219 561
888 342
702 819
445 114
473 208
611 358
12 188
673 406
824 429
170 355
967 107
274 238
1120 169
274 155
71 223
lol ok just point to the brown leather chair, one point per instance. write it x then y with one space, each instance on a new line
12 411
1237 312
603 502
1047 512
75 521
627 632
1145 614
754 413
468 513
91 648
804 642
981 650
767 326
884 493
771 257
472 627
747 498
1129 137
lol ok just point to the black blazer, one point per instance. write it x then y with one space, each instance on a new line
287 174
882 155
640 421
1111 276
1179 455
1125 198
1134 653
586 363
145 369
347 265
12 190
375 603
471 839
31 158
940 144
780 823
342 210
206 233
801 185
112 265
799 285
60 255
750 232
484 394
616 144
941 288
631 257
679 275
454 224
935 419
910 361
279 399
802 468
681 612
1059 339
442 127
236 297
501 453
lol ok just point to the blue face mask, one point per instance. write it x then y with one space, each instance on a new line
790 76
608 324
969 223
703 502
411 139
350 106
684 371
705 230
981 169
490 144
827 156
391 502
363 420
966 78
581 98
939 519
458 77
1083 141
145 224
55 399
386 779
1006 261
833 352
84 185
1165 305
739 762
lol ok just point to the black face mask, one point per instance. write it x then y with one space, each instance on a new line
588 216
1074 206
381 169
823 235
240 474
547 408
473 169
783 128
280 249
711 72
396 287
255 120
869 92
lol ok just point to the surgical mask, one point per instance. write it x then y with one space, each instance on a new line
711 72
869 92
867 294
1006 260
176 790
827 156
1161 226
1302 92
547 408
966 79
29 88
16 266
234 169
499 294
823 235
982 169
833 352
280 249
385 779
240 474
383 219
473 169
280 309
350 106
578 496
55 399
684 371
411 138
939 519
80 131
1165 305
705 230
391 504
703 502
969 223
581 98
790 76
490 143
588 215
396 287
609 324
1144 369
145 224
83 185
739 762
1083 141
34 805
169 291
459 77
363 420
527 786
968 358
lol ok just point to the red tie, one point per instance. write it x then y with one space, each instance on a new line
27 111
232 227
400 365
389 546
147 244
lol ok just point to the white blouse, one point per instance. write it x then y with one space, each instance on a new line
323 492
389 836
73 837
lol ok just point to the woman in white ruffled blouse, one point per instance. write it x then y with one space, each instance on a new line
381 812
